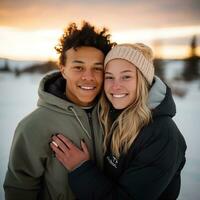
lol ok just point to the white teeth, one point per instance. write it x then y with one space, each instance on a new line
119 95
86 87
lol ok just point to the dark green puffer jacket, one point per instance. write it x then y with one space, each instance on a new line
33 171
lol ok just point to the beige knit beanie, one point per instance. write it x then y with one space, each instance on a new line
133 55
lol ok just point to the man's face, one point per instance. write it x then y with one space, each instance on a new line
83 71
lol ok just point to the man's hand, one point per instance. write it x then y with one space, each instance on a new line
68 153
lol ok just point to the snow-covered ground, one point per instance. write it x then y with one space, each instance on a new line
18 97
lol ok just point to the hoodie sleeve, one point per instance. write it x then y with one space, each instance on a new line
156 167
25 168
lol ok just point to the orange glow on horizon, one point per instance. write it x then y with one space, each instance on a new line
153 34
29 45
39 45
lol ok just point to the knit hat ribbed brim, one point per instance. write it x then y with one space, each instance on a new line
135 57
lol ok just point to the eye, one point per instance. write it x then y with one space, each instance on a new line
126 77
78 68
99 69
108 78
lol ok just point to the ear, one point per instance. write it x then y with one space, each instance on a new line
62 70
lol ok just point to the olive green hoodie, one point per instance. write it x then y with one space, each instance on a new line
33 171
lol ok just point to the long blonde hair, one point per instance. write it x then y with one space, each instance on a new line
126 127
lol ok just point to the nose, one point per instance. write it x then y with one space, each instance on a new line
87 75
116 85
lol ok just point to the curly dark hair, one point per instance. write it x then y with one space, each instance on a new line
88 35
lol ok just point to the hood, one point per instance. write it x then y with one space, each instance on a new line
160 99
51 94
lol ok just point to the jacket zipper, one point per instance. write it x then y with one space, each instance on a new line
92 134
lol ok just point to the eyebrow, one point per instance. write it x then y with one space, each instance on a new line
120 72
126 71
81 62
78 61
99 63
108 73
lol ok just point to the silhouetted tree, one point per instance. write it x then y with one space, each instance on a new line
158 62
159 68
191 68
6 67
17 72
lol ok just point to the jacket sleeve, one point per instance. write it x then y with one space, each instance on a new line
25 168
89 183
146 177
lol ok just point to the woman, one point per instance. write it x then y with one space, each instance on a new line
144 150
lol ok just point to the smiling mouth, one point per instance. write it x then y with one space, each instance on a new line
119 95
87 87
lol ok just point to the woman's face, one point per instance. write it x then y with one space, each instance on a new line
120 83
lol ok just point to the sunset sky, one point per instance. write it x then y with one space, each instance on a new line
29 29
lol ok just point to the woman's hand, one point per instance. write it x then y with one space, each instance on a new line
68 153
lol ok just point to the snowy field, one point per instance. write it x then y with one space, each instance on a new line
18 97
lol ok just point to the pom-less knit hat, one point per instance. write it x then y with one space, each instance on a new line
135 57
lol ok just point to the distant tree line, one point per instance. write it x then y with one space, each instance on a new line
38 68
35 68
191 68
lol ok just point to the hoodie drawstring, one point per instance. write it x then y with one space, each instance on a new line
72 109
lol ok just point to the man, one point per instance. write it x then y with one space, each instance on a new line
66 105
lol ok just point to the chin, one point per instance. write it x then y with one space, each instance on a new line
88 102
119 107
